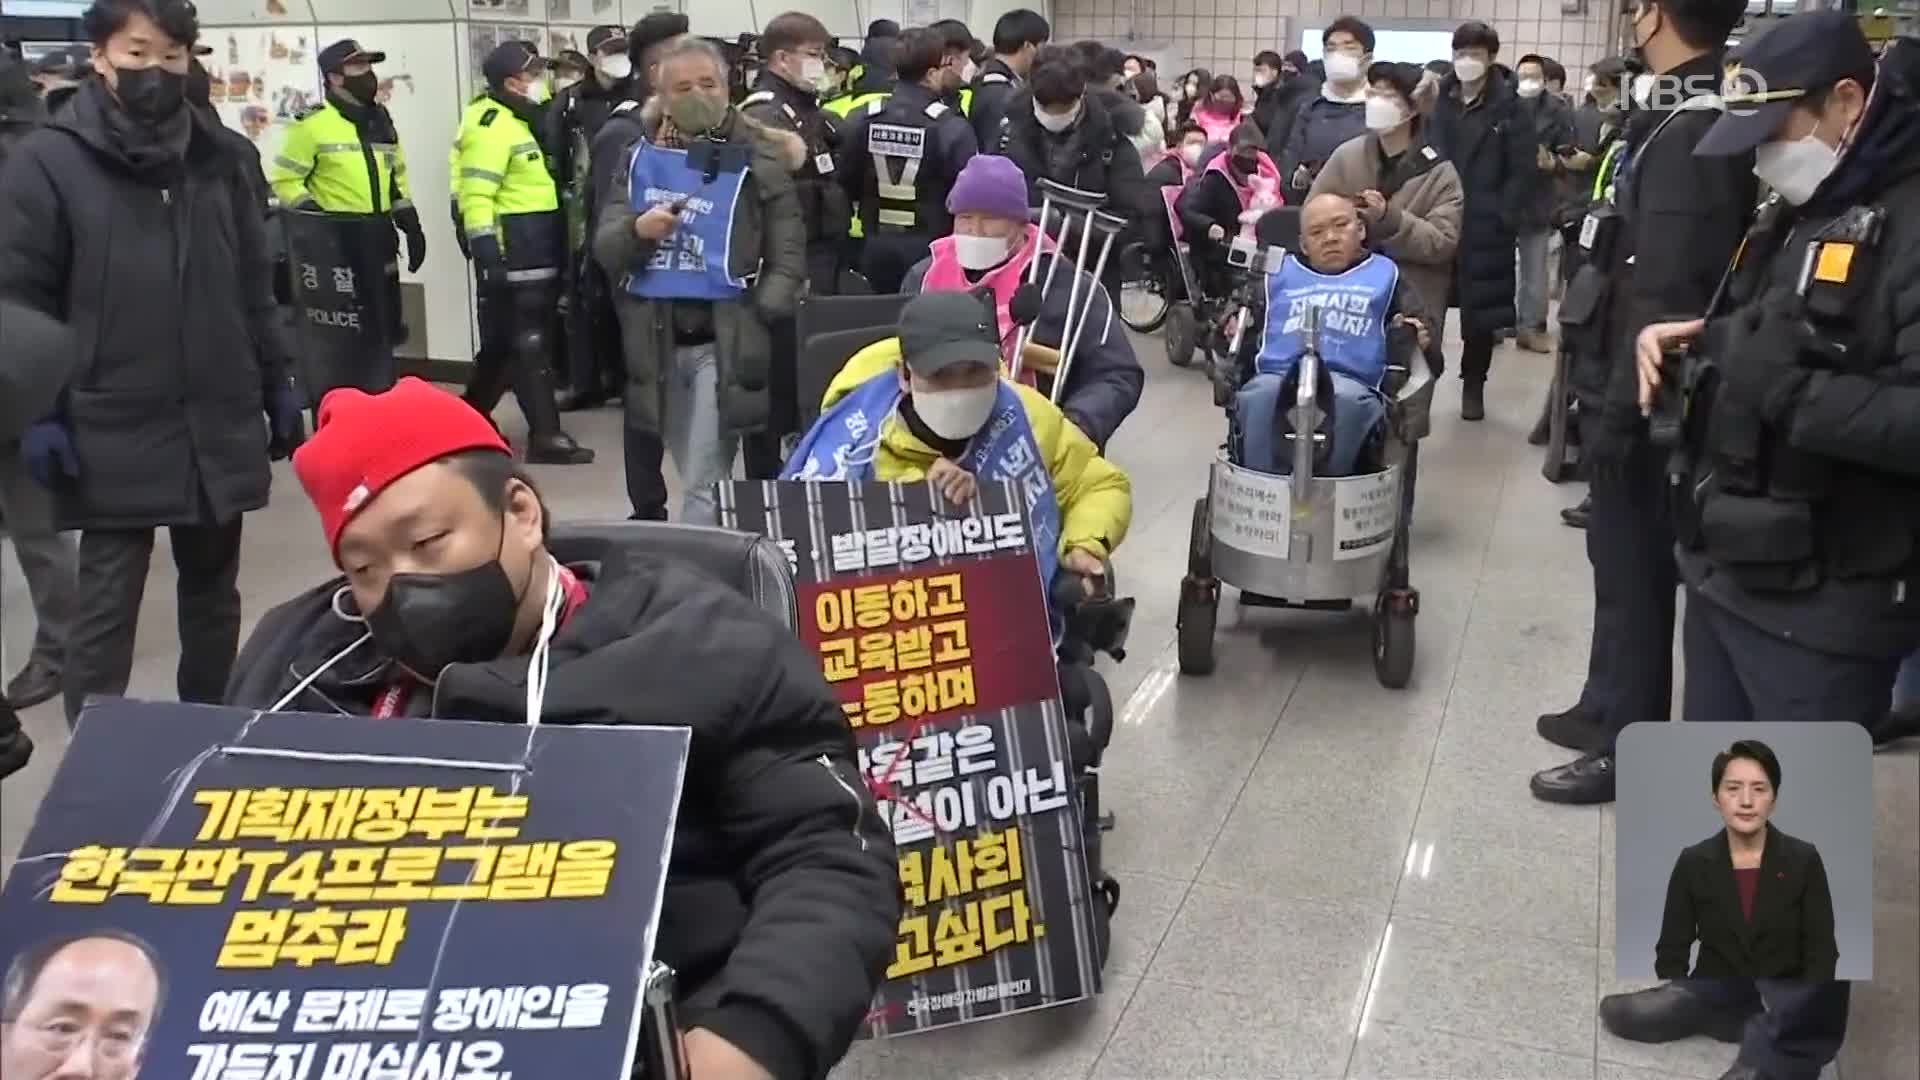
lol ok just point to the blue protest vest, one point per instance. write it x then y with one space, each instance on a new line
844 440
691 263
1353 318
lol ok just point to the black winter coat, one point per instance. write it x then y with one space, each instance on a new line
1096 154
782 897
1790 935
1491 144
165 280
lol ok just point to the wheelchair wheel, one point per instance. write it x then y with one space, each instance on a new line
1145 298
1182 333
1099 713
1393 641
1199 610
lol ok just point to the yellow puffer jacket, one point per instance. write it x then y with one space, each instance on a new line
1095 497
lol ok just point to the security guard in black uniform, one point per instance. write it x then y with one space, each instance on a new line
900 157
786 97
592 333
510 216
1796 406
1660 236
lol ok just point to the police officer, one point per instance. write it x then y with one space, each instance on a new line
1017 38
900 157
574 120
855 94
516 237
343 156
1660 237
785 97
961 97
1798 482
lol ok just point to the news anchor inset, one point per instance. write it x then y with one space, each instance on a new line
1755 898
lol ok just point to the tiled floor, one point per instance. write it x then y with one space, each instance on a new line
1321 878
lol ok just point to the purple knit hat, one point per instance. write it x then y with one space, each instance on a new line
989 184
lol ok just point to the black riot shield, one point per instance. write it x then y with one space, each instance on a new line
346 294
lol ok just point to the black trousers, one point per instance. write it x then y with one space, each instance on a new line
760 451
1799 1026
1739 673
516 342
1630 546
889 255
113 582
1476 357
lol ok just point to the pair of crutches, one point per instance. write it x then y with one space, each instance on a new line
1080 211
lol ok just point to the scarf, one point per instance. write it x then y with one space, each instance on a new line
373 122
155 153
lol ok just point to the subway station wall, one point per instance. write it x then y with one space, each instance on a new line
265 74
1223 35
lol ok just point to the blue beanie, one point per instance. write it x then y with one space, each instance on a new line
989 184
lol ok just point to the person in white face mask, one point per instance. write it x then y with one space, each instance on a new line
1322 124
991 249
1551 120
948 416
1804 456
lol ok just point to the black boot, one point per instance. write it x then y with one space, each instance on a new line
1576 729
1896 725
1576 516
1668 1013
16 749
1473 403
532 377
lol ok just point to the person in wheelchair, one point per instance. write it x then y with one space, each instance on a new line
1370 321
782 897
1213 201
992 247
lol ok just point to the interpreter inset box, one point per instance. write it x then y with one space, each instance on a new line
1744 851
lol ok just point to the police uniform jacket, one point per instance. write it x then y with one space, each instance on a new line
946 144
343 158
1828 552
768 244
506 193
1790 935
778 104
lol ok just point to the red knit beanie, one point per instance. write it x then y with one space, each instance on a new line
364 442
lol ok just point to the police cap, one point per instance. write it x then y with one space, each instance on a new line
347 51
1801 55
508 60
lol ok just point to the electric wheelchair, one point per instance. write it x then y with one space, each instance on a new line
1305 540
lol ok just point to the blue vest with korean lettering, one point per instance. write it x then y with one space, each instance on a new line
842 443
692 262
1353 317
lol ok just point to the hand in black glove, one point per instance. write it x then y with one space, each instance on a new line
286 423
416 249
1026 303
489 265
407 220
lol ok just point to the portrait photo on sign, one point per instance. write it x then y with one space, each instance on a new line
1744 851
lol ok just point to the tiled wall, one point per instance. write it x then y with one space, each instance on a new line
1223 35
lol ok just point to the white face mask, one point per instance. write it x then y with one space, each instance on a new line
969 71
1191 154
616 67
1342 67
957 415
1384 114
537 92
563 83
813 71
1531 87
980 252
1795 169
1261 82
1056 122
1470 69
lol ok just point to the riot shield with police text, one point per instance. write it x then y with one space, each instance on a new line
346 296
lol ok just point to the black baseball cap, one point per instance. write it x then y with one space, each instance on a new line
941 329
1802 54
607 39
347 51
510 59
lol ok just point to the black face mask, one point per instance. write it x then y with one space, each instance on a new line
1244 166
364 87
428 621
150 95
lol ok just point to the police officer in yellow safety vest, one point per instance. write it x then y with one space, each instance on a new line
343 156
515 234
849 99
899 157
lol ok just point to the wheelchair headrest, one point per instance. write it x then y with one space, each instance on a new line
1279 227
751 565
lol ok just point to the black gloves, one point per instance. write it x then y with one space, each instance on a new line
408 222
286 421
488 263
1026 303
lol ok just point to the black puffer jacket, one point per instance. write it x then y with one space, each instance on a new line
163 276
782 897
1095 154
1491 144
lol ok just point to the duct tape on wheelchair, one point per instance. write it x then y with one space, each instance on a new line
1366 513
931 626
1252 511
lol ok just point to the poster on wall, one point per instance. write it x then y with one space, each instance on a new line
262 79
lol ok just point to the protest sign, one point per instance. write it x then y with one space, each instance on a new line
293 897
931 627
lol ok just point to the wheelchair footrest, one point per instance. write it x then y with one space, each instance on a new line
1260 600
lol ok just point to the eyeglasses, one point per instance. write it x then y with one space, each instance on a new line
62 1037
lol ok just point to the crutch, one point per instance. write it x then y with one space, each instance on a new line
1071 201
